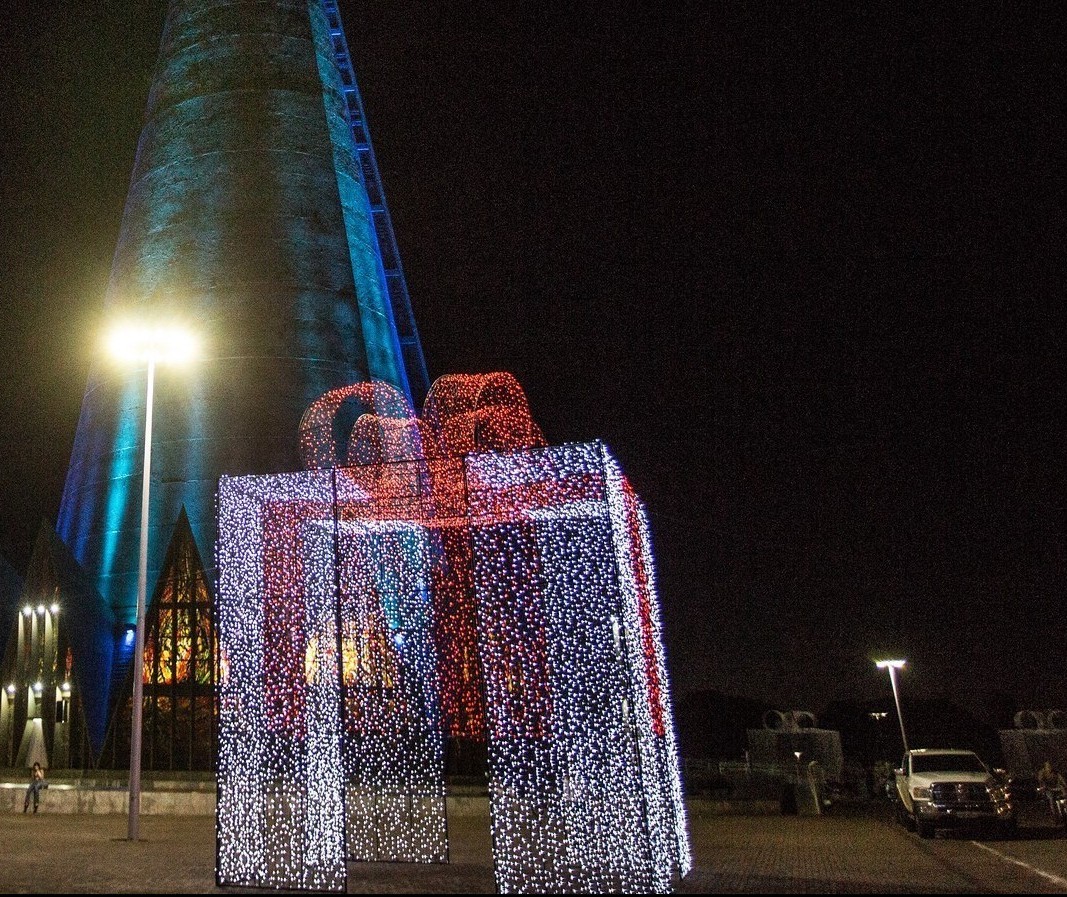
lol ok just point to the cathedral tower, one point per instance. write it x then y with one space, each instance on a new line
255 216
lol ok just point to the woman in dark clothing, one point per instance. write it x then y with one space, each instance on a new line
37 782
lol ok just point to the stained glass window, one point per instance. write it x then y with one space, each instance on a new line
178 670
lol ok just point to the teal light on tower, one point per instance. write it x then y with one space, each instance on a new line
255 214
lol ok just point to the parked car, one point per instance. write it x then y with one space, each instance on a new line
949 788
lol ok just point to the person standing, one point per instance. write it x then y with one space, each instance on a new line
37 783
1052 784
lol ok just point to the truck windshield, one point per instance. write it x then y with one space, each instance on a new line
946 763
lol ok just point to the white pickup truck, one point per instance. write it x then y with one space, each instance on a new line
945 788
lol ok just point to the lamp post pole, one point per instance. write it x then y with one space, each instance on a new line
896 700
138 644
150 344
893 666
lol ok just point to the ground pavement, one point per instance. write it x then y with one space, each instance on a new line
850 850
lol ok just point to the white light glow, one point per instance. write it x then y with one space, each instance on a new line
162 344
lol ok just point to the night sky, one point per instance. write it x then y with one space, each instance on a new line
801 270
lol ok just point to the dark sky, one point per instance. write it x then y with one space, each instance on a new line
802 270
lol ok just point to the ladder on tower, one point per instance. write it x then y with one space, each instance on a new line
399 299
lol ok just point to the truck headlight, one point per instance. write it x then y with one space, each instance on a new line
920 793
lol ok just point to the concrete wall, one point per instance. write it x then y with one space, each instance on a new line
1025 750
197 798
69 798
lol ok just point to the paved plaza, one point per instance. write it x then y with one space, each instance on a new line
851 850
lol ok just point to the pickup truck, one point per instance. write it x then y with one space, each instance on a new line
948 788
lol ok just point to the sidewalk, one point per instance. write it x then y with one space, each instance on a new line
54 853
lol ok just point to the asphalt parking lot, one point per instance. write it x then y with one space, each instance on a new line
852 849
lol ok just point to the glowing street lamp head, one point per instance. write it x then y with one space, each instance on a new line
160 343
893 666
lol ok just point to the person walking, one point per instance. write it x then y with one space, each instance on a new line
1054 787
37 783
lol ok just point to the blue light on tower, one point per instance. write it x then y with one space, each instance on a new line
255 209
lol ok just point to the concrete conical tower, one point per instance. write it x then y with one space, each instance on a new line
247 217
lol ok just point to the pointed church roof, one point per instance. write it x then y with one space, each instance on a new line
182 557
11 588
87 620
181 550
182 547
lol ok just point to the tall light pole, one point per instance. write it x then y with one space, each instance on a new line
150 345
893 666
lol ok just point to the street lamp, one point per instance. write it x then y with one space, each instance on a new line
149 345
893 666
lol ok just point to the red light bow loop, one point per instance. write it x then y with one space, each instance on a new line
389 433
480 413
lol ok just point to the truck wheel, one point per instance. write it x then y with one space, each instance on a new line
926 829
905 818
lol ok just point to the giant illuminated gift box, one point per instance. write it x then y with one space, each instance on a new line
450 575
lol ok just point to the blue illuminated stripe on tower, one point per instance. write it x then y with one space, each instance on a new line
399 298
375 313
124 456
